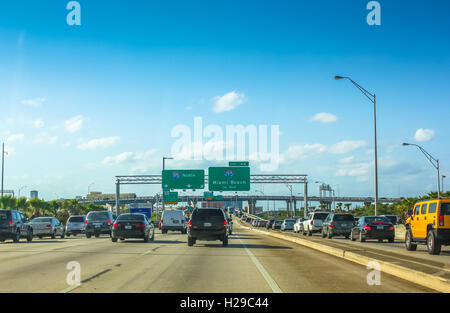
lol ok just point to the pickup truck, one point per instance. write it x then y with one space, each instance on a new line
313 223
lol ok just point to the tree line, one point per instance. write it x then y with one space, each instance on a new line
61 209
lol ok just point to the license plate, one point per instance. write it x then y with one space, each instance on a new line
207 224
380 227
128 227
175 222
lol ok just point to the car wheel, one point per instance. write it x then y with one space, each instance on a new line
351 237
53 234
63 235
40 237
153 237
225 242
122 239
323 233
361 238
88 235
97 235
380 240
68 234
309 232
190 241
391 240
329 235
114 239
17 236
30 235
146 238
410 246
433 245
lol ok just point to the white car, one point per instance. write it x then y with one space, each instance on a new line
298 226
313 223
173 220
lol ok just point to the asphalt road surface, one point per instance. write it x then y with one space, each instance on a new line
251 263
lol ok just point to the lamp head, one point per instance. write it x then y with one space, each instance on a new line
405 144
337 77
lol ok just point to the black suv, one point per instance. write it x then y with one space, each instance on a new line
207 224
14 225
99 222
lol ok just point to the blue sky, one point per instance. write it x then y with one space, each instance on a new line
81 104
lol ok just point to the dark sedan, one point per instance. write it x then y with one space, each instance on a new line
132 225
277 225
373 227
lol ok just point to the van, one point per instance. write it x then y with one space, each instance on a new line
173 220
428 223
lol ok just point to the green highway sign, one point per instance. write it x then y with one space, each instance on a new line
238 163
218 198
183 179
231 178
208 195
170 197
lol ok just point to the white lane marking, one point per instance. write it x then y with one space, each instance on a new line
272 284
69 289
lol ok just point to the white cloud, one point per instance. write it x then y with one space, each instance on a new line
74 124
228 102
15 138
347 160
423 135
34 102
325 118
118 159
38 123
301 152
346 146
98 143
45 138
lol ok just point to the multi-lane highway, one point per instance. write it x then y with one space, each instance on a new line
252 262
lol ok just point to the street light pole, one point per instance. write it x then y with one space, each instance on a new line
372 98
164 167
3 164
443 190
433 161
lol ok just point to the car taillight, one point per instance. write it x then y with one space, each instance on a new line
366 227
109 222
140 225
10 223
48 225
331 224
190 224
441 220
86 221
116 225
392 228
224 223
311 222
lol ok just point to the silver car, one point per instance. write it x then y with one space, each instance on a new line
47 227
75 225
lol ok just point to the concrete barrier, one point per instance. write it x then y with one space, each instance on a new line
420 278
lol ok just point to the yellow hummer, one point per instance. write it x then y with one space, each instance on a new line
428 223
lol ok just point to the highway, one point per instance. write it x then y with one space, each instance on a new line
251 263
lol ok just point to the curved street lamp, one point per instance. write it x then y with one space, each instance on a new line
433 161
372 98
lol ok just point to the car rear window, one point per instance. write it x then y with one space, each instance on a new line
131 217
4 215
444 209
373 219
42 220
98 216
76 219
210 215
344 217
290 221
320 216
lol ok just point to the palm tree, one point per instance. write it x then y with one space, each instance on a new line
347 206
7 202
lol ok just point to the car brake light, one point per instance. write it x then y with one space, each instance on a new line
109 222
140 225
331 224
115 225
392 228
441 220
189 224
311 222
86 221
366 227
225 223
10 223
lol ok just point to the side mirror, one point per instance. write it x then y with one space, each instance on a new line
410 212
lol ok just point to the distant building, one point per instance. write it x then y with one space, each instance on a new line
34 194
95 195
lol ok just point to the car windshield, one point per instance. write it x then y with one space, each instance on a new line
42 220
344 217
320 216
98 216
76 219
131 217
376 219
445 209
210 215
